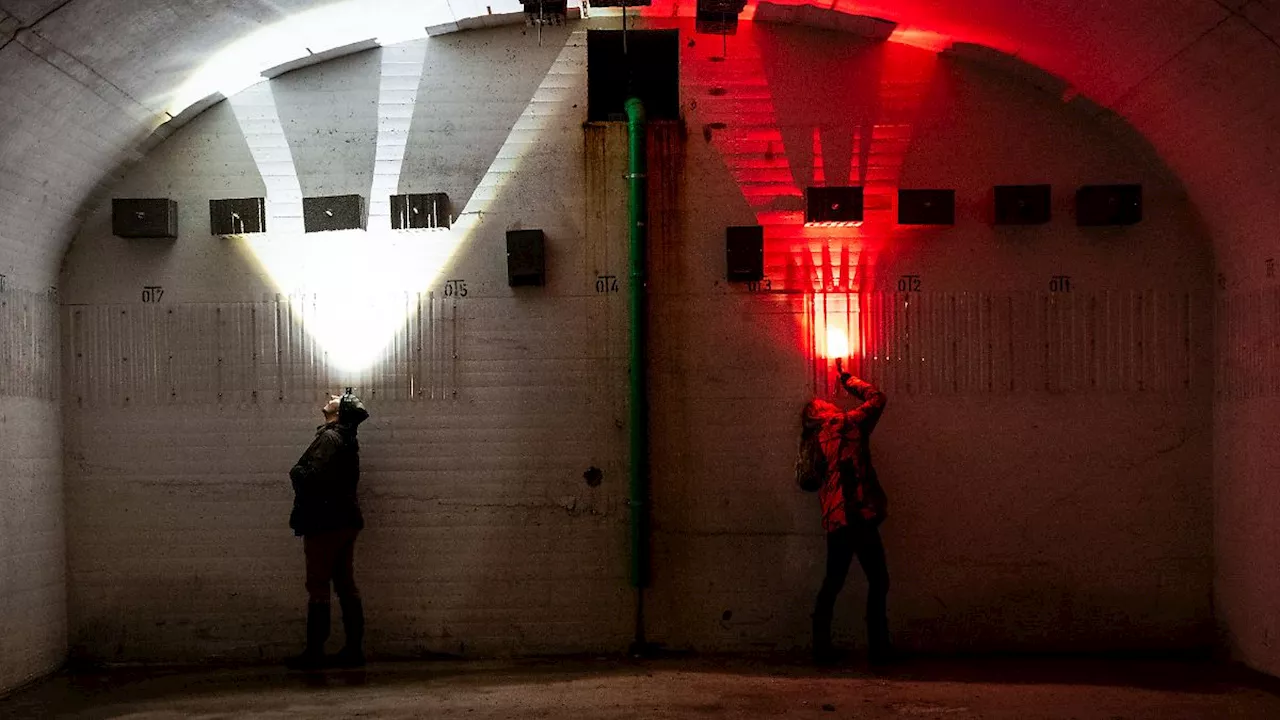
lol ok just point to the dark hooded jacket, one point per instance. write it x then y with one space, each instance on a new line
326 476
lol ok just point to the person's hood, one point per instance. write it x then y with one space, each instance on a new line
817 413
351 412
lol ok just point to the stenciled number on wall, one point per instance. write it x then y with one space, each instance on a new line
909 283
455 288
1271 267
3 284
606 284
761 285
1060 283
152 293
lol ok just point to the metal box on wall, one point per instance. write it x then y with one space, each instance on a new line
424 211
832 205
1109 205
744 253
332 212
926 207
238 216
144 218
1022 204
526 258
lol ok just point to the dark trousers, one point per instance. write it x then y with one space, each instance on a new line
330 557
861 539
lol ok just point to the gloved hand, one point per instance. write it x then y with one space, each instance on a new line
843 377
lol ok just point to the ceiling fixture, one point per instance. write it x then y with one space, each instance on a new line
718 17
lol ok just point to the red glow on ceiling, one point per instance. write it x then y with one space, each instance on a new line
848 120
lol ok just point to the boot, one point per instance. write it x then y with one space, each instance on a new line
352 654
317 633
880 650
823 652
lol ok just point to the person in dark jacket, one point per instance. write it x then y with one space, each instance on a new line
326 514
853 506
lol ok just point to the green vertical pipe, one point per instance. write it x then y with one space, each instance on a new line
637 216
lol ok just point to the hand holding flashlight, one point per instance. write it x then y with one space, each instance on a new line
844 376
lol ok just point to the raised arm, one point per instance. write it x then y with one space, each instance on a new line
867 414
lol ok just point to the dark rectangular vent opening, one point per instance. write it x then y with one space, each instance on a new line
238 216
155 218
427 211
1109 205
926 207
649 70
1022 204
744 253
526 258
832 205
332 212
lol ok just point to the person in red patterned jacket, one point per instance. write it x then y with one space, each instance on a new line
853 506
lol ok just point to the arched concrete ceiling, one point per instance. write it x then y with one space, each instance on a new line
85 83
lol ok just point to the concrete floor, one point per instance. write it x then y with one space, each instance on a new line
584 689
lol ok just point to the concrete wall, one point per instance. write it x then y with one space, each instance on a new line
46 171
1240 192
184 415
1047 453
33 627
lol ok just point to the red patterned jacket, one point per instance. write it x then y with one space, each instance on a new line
851 487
